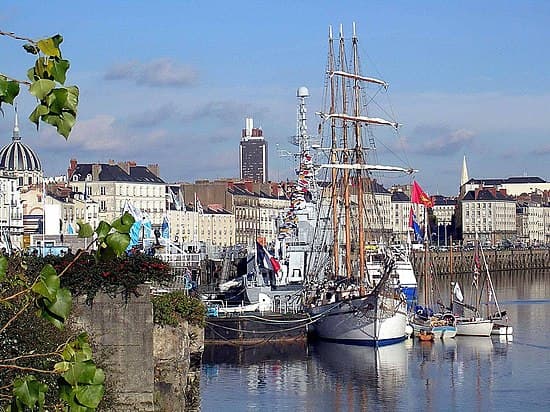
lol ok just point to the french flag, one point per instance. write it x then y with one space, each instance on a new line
265 259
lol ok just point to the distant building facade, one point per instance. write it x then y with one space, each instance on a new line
253 153
113 185
489 214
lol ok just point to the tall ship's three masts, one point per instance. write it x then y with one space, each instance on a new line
351 306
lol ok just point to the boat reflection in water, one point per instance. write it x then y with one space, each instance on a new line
361 377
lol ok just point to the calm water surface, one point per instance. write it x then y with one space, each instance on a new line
467 374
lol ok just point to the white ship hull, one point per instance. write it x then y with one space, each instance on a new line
475 327
360 321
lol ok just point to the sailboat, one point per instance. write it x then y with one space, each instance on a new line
347 304
427 321
477 324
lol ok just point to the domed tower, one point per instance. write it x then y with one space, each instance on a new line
20 161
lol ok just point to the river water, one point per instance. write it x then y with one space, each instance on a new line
466 374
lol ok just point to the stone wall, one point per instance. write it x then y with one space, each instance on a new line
177 354
144 364
462 261
122 335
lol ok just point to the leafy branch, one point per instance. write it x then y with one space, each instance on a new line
81 382
57 104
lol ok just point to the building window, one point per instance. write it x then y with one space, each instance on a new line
102 205
102 190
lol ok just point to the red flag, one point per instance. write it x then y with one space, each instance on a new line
418 196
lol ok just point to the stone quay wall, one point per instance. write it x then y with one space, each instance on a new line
462 261
147 368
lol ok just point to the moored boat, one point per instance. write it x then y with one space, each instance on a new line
473 326
349 305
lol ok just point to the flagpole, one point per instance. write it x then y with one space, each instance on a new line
43 217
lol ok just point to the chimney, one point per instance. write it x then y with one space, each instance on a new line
71 169
124 166
96 170
154 169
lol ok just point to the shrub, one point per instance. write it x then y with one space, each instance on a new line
175 307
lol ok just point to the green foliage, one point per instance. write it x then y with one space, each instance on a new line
9 89
82 384
57 103
28 392
117 276
45 283
174 307
112 239
55 303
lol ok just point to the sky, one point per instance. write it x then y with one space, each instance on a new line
171 82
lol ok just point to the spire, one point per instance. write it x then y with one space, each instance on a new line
16 135
464 178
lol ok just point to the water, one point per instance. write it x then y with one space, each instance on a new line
467 374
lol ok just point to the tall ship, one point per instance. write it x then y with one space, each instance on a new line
349 304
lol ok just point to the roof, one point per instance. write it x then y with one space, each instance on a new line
485 195
113 173
444 201
400 197
509 180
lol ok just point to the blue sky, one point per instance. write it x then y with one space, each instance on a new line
170 82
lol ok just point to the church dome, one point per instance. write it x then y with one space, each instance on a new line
17 156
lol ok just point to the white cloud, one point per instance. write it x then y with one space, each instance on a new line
162 72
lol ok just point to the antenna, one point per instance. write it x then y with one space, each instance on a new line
354 35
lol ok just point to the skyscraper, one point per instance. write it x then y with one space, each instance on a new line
253 153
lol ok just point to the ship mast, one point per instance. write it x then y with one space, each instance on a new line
359 159
346 158
333 157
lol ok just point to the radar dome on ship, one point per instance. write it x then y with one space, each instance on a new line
302 92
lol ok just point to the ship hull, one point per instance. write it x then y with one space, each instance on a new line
367 321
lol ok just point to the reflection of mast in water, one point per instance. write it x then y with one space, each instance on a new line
363 376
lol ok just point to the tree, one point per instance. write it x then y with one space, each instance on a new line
57 104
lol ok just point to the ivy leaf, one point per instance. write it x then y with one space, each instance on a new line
72 99
103 229
43 67
50 46
59 70
124 223
118 242
99 377
63 122
3 267
44 313
84 230
48 285
61 306
41 88
57 100
89 395
80 372
60 367
9 90
30 391
31 48
38 112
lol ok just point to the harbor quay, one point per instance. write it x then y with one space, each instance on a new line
461 261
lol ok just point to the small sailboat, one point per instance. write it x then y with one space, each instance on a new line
347 304
478 323
426 320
